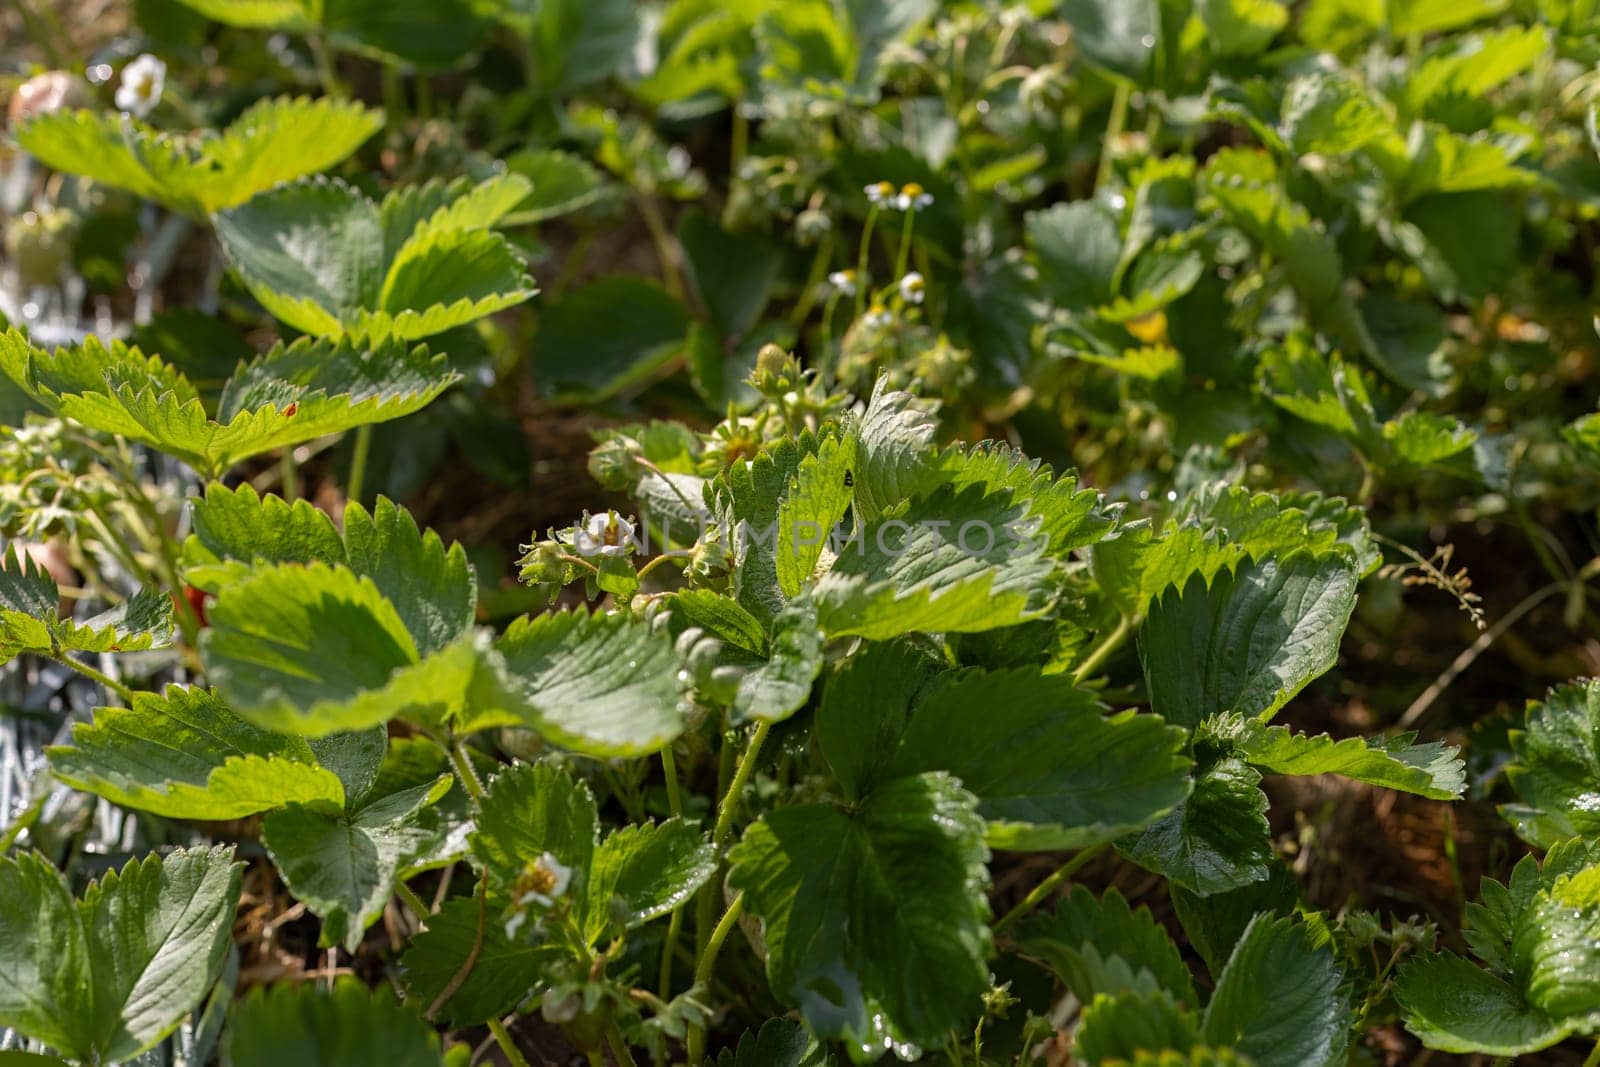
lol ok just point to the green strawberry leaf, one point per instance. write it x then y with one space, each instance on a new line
108 976
317 650
1050 771
1432 770
894 456
587 350
642 872
1454 1006
1118 1028
271 142
601 684
530 810
322 257
770 687
1068 515
307 1025
30 621
1242 27
1556 772
1217 839
187 755
1215 924
815 500
1248 640
562 183
956 560
293 393
875 918
1280 1000
1103 947
780 1043
865 706
1076 247
1556 946
344 863
502 972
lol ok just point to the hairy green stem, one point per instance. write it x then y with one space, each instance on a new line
1114 126
668 946
289 475
619 1047
1102 652
358 464
461 763
1593 1059
669 768
110 683
741 778
508 1047
1049 885
706 966
861 258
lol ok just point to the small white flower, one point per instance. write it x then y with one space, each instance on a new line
880 194
878 316
912 197
605 534
142 82
913 288
844 281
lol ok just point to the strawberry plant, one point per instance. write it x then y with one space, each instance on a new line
1001 535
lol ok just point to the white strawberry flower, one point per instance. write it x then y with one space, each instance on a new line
844 281
878 317
142 83
880 194
605 534
913 197
913 288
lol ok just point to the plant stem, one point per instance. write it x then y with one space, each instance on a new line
1420 706
414 902
326 74
902 257
1593 1059
23 822
741 778
461 763
290 475
110 683
619 1047
739 141
669 768
664 978
358 464
1102 652
1048 886
508 1047
861 258
1114 125
666 245
706 965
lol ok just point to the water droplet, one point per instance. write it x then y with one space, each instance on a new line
1148 40
1172 494
99 74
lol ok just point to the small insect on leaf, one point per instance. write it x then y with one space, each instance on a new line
293 406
